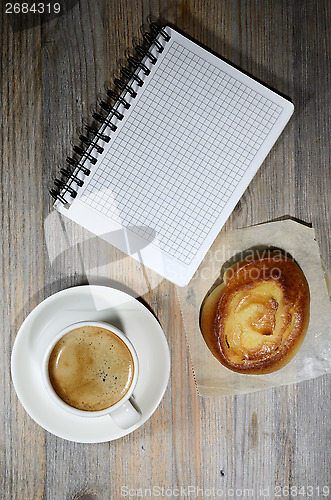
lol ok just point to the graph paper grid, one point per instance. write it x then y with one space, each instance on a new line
187 142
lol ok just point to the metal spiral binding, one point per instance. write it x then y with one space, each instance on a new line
120 99
101 119
69 175
97 134
75 163
73 175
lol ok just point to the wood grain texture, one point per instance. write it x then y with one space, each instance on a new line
52 75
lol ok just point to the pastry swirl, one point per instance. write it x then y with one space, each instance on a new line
256 320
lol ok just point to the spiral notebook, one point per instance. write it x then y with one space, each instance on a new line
173 155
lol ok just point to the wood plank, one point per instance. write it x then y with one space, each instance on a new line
22 442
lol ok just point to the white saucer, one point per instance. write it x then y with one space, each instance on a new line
90 303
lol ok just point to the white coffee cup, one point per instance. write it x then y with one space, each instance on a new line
123 413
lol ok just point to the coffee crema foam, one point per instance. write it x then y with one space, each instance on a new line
91 368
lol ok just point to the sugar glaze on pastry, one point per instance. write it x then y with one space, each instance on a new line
256 320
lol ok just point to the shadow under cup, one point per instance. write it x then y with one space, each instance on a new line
90 369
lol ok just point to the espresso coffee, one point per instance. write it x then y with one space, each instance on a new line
91 368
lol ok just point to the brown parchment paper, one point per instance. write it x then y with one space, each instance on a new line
314 356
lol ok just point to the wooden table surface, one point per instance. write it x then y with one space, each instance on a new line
263 445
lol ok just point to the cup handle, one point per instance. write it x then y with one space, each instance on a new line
126 415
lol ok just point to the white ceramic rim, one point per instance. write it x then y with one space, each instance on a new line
54 395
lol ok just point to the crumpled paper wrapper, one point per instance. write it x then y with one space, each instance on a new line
314 356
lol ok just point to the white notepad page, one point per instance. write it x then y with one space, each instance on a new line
180 159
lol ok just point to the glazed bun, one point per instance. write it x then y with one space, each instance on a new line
256 320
